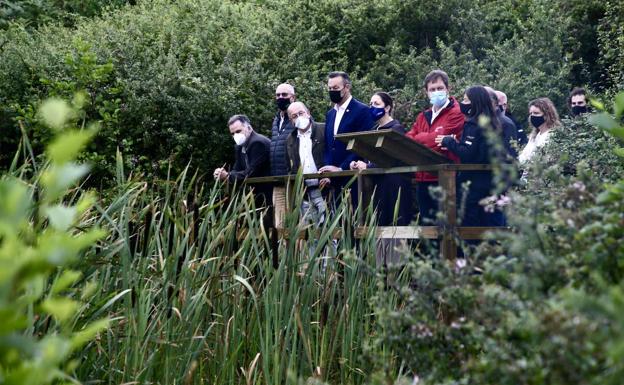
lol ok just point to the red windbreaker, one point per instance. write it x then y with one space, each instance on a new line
450 121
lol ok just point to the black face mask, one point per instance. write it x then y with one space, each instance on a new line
282 103
537 121
465 108
335 96
577 110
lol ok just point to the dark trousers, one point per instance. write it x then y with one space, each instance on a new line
427 205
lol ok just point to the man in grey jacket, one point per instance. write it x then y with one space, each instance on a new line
305 149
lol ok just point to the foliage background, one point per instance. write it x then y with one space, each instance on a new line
163 77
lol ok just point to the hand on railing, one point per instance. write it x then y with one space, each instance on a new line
329 169
358 165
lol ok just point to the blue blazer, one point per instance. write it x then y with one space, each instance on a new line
356 118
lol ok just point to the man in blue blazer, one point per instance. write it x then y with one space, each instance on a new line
348 115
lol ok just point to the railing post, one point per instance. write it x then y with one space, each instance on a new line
446 180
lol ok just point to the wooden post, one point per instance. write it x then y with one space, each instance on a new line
446 180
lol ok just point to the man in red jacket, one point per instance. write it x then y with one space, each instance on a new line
443 118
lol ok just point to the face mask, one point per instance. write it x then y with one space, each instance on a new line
239 138
282 103
438 98
577 110
537 121
376 112
335 96
465 108
302 122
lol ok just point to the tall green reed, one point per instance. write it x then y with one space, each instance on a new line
187 276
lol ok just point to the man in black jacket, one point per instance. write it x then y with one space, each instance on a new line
305 149
252 156
281 128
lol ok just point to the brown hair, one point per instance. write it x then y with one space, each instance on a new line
435 75
574 92
551 117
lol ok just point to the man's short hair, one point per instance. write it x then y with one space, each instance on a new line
576 91
240 118
435 75
343 75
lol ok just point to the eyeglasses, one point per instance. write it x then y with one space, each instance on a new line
297 114
282 95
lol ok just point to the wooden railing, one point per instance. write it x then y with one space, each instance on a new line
448 232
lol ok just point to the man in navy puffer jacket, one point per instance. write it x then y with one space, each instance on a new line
281 129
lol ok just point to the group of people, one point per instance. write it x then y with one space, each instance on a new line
462 130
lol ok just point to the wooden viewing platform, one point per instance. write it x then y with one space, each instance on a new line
393 153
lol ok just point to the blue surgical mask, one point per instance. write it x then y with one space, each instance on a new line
376 112
438 98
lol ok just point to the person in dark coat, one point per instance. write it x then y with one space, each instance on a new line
388 187
521 134
348 115
473 148
251 157
305 150
280 130
391 189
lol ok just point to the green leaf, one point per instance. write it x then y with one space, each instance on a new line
597 104
57 179
619 152
61 217
68 145
85 335
60 308
619 105
603 120
55 113
65 280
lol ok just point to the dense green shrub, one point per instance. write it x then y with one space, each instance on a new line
175 71
41 237
543 305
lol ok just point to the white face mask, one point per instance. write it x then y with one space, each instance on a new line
302 122
239 138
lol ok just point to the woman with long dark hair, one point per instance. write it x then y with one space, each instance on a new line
473 147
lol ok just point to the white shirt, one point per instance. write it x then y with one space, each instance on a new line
340 110
434 113
534 143
305 155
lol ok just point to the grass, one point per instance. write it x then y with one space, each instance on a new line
187 277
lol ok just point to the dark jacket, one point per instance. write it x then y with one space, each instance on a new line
293 162
520 130
278 144
510 135
387 188
473 148
356 118
252 158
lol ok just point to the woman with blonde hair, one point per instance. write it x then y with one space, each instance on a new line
543 117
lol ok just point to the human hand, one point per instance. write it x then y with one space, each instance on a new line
329 169
358 165
324 182
220 174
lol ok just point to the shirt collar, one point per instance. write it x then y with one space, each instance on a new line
344 105
307 133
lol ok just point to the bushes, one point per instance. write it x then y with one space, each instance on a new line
543 305
177 71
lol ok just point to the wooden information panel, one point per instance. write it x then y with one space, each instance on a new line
388 148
